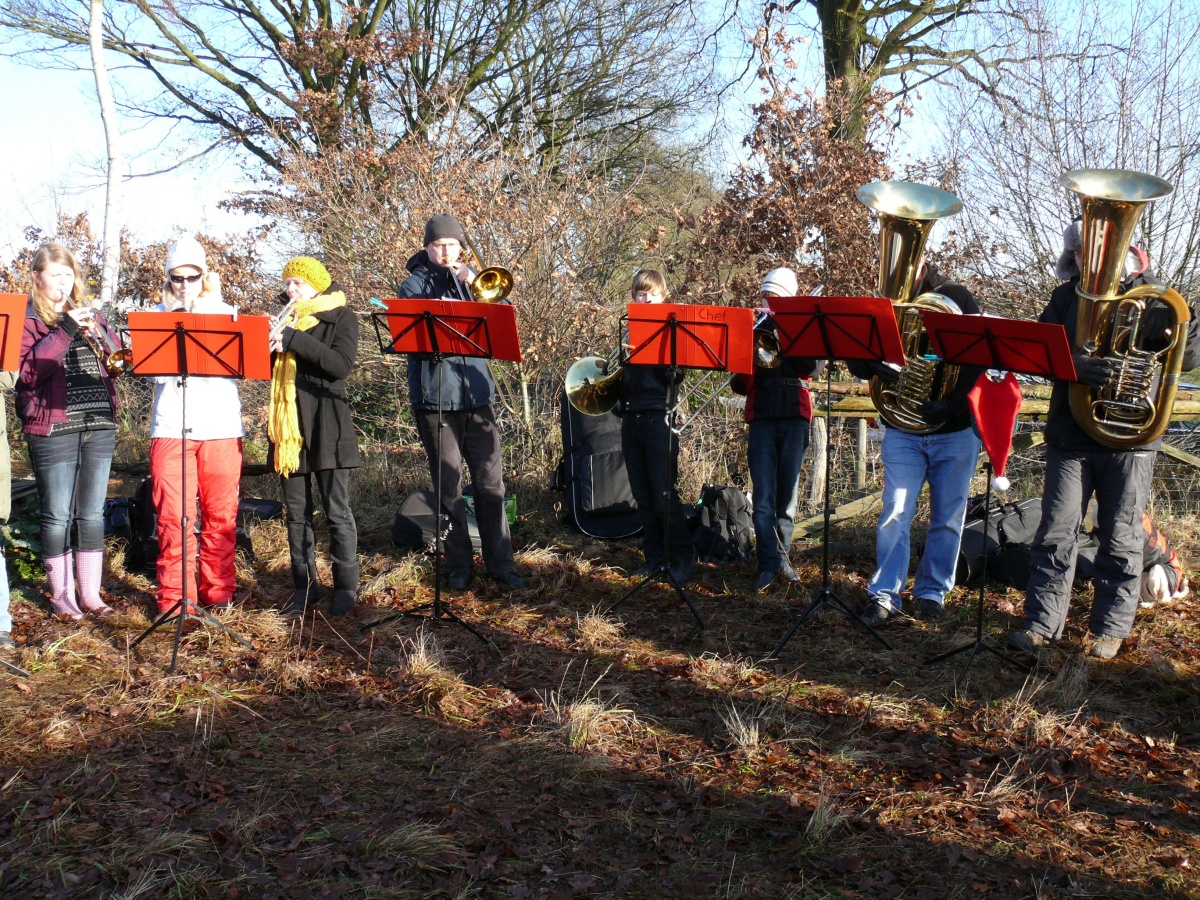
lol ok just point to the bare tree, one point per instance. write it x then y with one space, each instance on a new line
275 77
1088 97
905 44
112 140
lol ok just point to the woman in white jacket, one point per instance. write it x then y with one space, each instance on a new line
212 452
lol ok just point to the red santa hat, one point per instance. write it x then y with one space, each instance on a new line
994 403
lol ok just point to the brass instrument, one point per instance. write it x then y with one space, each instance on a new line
591 387
115 358
907 212
493 284
1128 411
767 353
284 318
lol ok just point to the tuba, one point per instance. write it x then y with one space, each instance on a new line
907 212
1129 411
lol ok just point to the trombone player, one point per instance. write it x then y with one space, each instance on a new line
778 413
463 389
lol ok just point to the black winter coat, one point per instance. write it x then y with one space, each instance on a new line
325 356
466 382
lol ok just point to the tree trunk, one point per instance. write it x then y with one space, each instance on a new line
819 434
112 197
845 86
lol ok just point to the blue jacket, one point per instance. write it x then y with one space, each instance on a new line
466 381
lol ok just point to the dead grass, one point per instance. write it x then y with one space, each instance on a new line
597 631
582 719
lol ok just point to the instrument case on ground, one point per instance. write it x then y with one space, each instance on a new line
592 475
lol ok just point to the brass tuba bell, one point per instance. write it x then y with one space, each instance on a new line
907 212
1129 411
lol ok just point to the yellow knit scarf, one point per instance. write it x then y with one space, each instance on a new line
283 426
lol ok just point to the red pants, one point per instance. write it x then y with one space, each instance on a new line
213 471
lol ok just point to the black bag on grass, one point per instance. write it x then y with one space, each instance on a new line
141 548
414 523
725 524
1008 525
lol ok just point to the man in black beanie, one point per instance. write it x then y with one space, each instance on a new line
470 432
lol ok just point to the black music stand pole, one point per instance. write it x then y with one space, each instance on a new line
834 328
826 596
979 646
663 571
196 612
439 611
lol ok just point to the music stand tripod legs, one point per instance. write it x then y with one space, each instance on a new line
826 596
438 610
181 605
664 565
979 646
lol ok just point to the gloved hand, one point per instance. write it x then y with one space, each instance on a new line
1093 371
285 337
882 371
935 411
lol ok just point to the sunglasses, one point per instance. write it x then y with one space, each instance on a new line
190 279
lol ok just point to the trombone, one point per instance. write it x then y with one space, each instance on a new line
492 285
767 354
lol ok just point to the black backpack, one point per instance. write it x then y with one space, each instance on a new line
413 525
592 475
1009 525
724 524
141 528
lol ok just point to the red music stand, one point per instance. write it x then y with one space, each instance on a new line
681 336
442 328
184 344
991 342
12 323
835 328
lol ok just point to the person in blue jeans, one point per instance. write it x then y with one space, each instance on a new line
946 460
778 412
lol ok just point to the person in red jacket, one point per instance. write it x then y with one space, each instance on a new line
779 411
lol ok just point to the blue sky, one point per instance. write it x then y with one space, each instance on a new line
52 158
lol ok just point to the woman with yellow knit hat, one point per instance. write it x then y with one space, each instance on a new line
311 431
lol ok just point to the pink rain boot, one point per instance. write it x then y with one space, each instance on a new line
62 586
89 568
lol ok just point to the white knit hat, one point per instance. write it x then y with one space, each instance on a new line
780 283
186 252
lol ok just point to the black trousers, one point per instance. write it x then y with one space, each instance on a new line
471 436
1120 481
652 461
334 485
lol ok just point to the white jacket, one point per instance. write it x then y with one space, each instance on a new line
214 409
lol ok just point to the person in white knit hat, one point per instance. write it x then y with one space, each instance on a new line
211 451
779 413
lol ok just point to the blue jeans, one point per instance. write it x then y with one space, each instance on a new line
776 452
72 479
946 462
